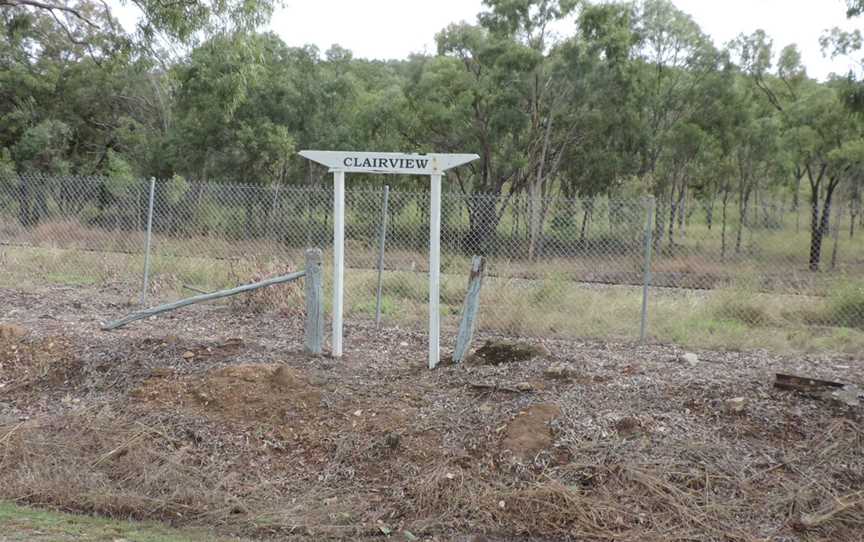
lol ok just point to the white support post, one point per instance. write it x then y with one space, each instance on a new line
391 163
434 267
338 258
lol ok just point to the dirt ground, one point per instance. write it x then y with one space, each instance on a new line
212 415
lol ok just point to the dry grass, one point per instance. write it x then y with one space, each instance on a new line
743 315
111 463
128 466
261 440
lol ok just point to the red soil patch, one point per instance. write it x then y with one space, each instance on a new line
529 432
257 393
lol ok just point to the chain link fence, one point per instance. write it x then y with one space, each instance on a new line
707 273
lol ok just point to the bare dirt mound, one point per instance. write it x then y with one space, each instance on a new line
26 361
251 392
529 432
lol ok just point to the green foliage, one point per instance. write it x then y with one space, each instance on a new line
120 177
175 188
7 166
44 147
633 99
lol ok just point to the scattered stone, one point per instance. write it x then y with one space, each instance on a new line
735 405
849 395
496 352
559 371
690 358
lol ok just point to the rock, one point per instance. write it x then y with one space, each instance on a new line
735 405
11 331
496 352
689 358
559 371
849 395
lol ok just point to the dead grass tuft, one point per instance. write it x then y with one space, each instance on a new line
287 299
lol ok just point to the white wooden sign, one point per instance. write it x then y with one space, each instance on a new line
434 165
388 162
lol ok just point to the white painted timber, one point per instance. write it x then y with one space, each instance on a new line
434 165
388 162
434 268
338 258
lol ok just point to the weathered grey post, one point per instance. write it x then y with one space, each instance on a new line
646 273
147 243
382 240
469 309
314 302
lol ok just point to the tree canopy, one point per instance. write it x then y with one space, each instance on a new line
633 99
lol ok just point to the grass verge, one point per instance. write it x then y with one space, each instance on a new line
18 523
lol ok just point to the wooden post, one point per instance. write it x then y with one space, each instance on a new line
646 273
382 240
314 302
434 268
469 309
338 258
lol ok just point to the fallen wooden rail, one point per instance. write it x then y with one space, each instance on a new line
146 313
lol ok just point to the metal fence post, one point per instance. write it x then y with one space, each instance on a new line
147 242
646 273
382 240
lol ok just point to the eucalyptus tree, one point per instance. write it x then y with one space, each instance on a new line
471 97
676 62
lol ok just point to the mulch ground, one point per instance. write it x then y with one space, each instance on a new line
213 415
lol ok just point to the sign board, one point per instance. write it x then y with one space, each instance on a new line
434 165
388 162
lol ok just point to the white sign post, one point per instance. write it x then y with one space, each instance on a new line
433 165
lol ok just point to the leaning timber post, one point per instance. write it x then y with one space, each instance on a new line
470 309
146 313
314 302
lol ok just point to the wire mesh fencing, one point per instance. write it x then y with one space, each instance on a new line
710 272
